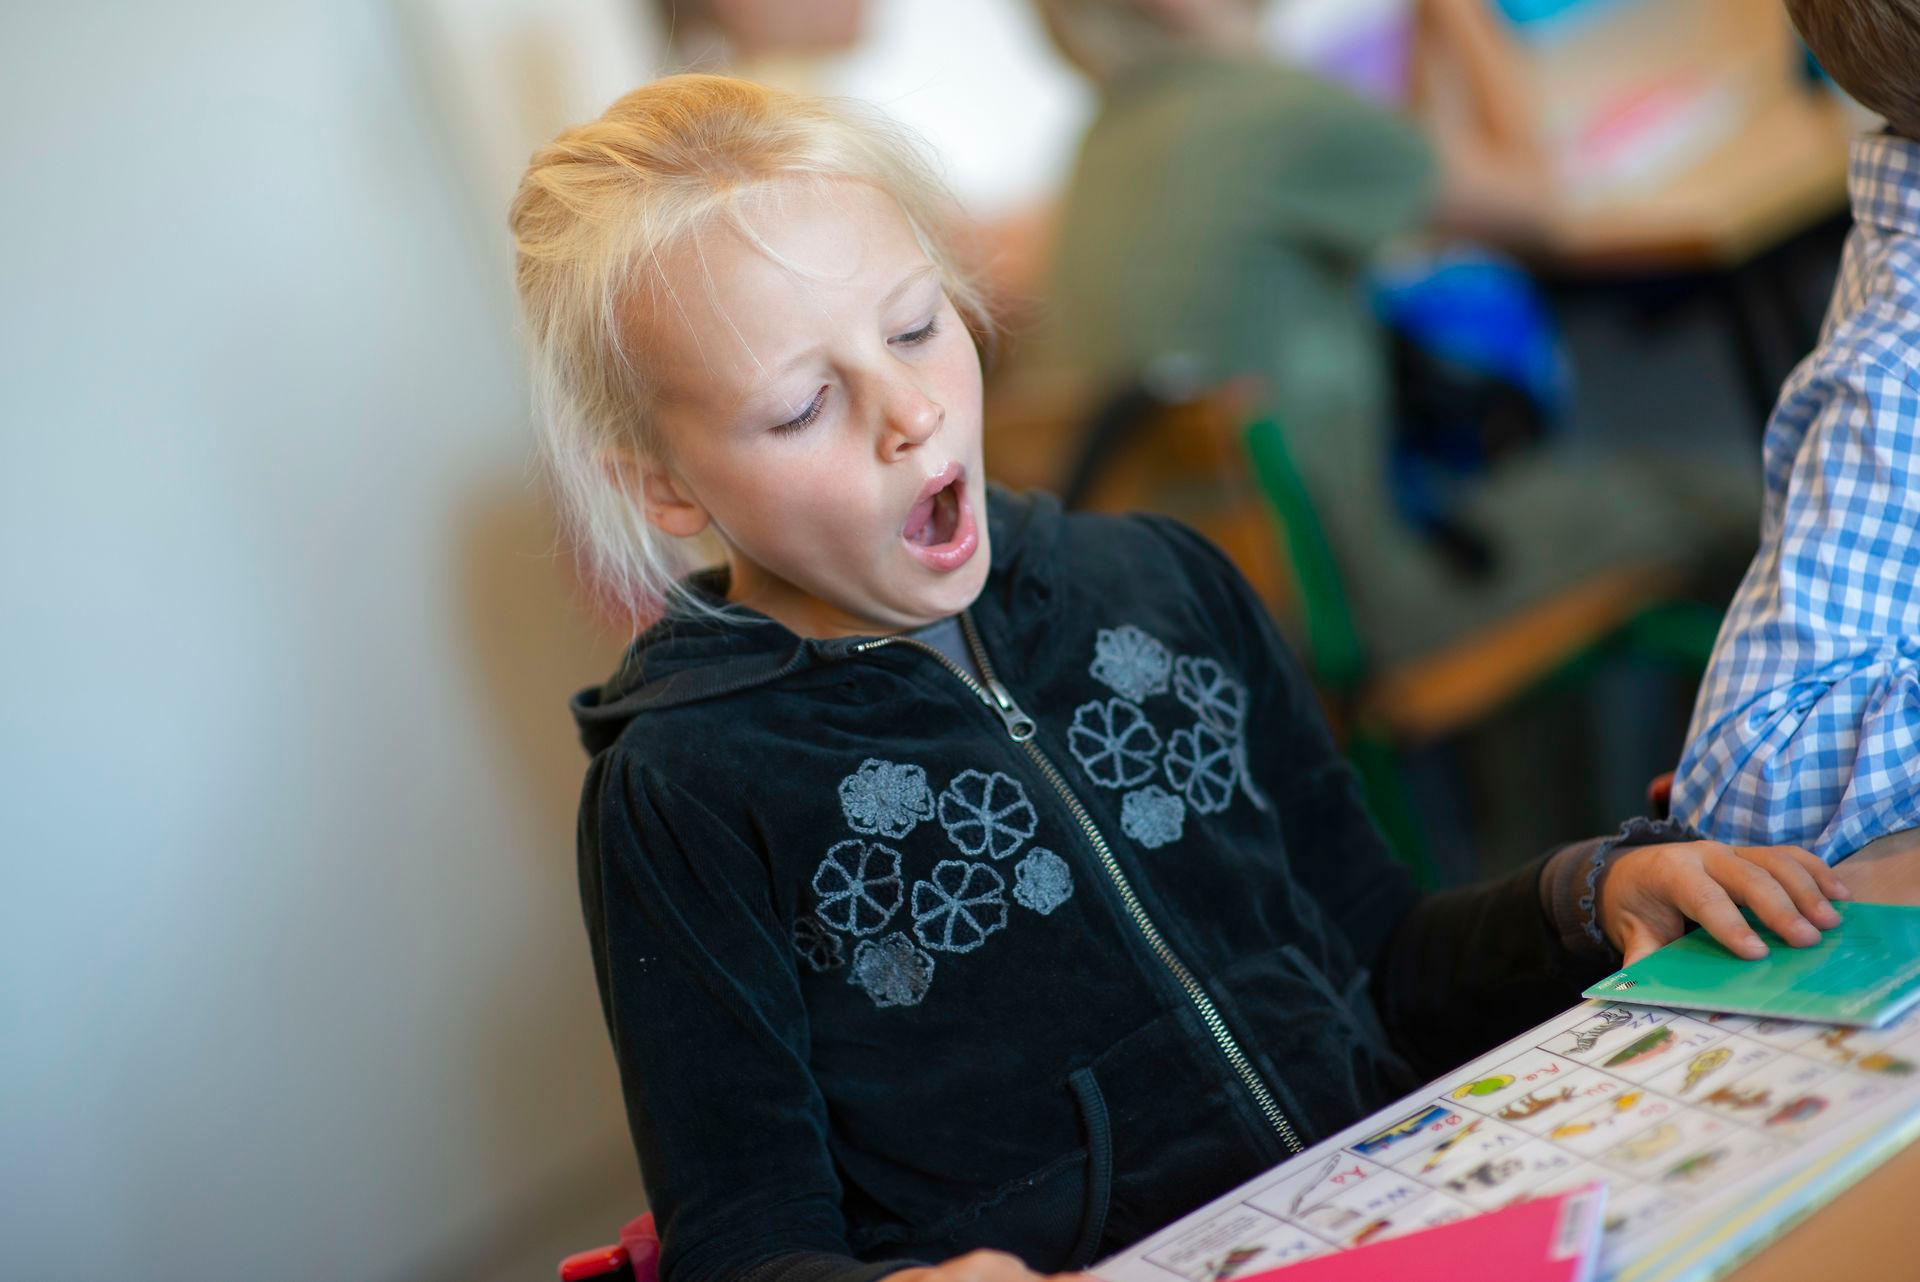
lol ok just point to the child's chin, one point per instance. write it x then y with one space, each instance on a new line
942 599
956 590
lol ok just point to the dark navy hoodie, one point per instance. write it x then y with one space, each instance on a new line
898 963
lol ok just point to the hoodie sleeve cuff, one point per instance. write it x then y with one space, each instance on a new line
820 1266
1571 881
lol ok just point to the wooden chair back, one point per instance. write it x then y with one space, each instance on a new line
1188 460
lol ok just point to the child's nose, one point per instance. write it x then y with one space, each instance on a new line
910 418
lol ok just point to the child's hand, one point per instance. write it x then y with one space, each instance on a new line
982 1266
1649 894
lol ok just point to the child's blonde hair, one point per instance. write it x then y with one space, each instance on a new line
597 210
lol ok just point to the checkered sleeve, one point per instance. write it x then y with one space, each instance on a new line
1808 722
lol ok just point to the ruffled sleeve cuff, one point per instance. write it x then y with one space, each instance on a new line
1571 881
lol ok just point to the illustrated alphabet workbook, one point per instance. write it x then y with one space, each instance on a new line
1712 1133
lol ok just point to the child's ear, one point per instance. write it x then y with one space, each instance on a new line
670 507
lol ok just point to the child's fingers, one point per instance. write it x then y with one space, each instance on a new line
1798 881
1754 886
982 1266
1639 939
1822 872
1706 901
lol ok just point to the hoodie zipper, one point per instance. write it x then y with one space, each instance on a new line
1020 728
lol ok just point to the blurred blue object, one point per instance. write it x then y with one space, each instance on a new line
1476 310
1479 373
1527 12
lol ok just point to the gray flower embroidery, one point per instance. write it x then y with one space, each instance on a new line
892 970
1129 661
1042 881
1113 742
886 797
986 814
1215 697
959 906
1202 764
1153 816
817 946
859 886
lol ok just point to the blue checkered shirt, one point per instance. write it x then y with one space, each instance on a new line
1807 727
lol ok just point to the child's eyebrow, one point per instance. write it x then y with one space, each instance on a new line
907 282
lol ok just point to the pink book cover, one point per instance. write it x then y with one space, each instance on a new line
1551 1239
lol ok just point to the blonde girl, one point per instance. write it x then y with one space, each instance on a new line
972 887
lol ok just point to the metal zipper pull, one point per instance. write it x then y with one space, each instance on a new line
1019 725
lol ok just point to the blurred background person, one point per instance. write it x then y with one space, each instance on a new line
1453 66
1227 209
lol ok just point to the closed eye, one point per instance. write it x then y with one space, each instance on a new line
805 417
914 338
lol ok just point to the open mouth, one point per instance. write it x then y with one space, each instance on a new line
939 529
934 519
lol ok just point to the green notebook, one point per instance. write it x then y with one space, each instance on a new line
1865 971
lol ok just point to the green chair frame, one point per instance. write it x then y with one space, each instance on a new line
1674 632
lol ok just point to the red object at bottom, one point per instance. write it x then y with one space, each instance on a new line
1660 796
597 1263
636 1256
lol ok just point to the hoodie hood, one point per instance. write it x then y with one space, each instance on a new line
686 659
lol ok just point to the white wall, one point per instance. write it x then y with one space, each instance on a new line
292 979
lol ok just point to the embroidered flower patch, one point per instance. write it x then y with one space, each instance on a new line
1216 698
959 906
1153 816
886 797
986 814
1133 664
1042 881
1113 742
859 886
892 970
818 947
1203 765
